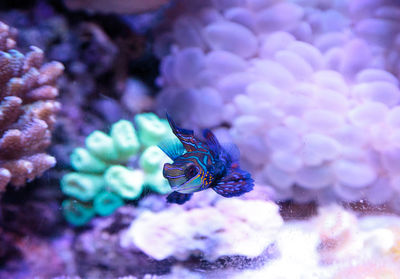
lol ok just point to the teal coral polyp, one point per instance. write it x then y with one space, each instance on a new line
114 168
151 159
126 141
106 203
81 186
82 160
76 213
125 182
151 129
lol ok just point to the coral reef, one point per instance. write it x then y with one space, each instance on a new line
109 250
27 111
109 170
99 52
39 258
230 228
31 233
299 244
180 236
101 255
308 90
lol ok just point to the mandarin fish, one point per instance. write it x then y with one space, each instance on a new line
201 164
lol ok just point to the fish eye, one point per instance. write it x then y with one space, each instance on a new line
190 171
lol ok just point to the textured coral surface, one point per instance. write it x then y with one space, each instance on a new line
308 90
116 167
27 111
231 227
154 237
182 242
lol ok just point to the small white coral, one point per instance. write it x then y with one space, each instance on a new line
338 233
232 227
345 238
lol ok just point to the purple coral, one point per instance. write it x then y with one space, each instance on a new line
27 111
308 90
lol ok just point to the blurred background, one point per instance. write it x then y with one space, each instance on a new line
307 90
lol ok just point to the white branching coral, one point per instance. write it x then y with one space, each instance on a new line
308 90
231 227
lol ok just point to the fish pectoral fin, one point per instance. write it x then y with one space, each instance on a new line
232 150
235 183
172 147
179 198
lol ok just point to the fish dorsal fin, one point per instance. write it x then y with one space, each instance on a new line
211 141
185 136
172 147
235 183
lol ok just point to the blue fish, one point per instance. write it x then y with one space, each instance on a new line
198 165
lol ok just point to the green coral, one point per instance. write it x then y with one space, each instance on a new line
82 186
106 203
115 167
77 213
125 182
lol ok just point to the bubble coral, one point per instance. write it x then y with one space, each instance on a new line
308 90
27 111
115 167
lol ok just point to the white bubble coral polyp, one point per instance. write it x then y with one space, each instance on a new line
309 90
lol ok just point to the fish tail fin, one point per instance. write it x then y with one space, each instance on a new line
178 198
235 183
233 151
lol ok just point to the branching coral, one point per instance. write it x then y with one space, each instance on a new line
91 49
308 90
231 227
108 170
27 111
